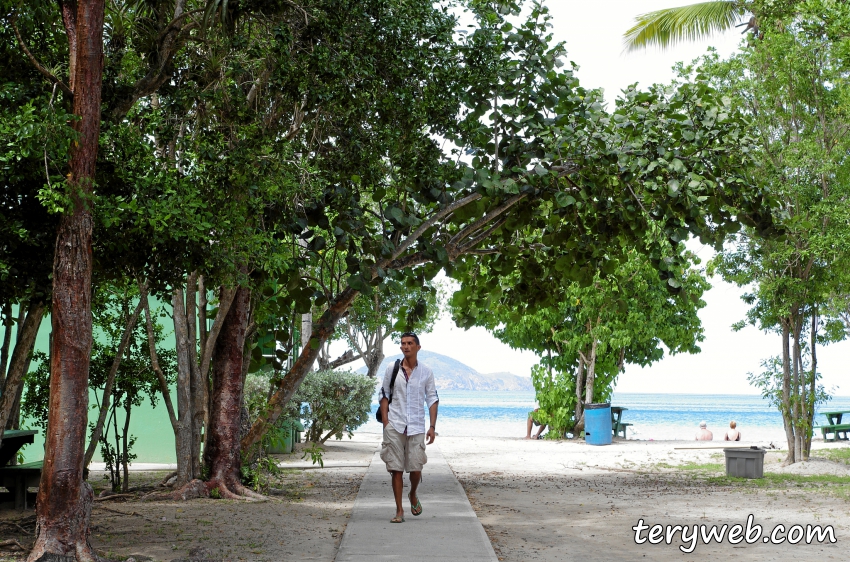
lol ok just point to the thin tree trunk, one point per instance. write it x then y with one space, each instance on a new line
14 421
183 441
306 328
196 381
580 389
796 384
222 455
591 374
125 461
116 484
287 386
202 342
810 414
20 362
375 355
110 379
163 382
8 322
786 388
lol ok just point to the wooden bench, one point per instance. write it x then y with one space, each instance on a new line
17 478
835 429
621 428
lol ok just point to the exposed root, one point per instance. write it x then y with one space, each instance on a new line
12 544
247 492
165 481
233 490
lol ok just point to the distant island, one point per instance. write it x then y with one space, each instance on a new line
451 374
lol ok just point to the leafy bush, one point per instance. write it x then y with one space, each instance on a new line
334 402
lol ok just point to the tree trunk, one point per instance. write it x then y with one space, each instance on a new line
163 383
197 382
222 454
287 386
375 356
183 437
8 321
796 385
810 413
64 500
125 456
19 363
579 425
591 374
786 389
110 380
306 328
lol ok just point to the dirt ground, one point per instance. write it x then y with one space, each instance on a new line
538 501
559 501
303 519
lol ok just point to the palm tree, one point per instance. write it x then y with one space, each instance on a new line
665 28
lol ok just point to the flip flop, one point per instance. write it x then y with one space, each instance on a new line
416 510
397 520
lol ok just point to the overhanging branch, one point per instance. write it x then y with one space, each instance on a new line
430 222
472 228
38 66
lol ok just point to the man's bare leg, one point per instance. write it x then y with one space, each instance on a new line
528 432
415 478
398 488
542 427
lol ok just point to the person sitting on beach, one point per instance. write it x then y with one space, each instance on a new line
704 434
532 421
733 434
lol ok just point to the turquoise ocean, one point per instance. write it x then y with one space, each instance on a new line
504 414
654 416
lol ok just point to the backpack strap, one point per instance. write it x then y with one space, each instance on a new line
392 380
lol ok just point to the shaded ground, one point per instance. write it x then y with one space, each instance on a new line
303 519
559 502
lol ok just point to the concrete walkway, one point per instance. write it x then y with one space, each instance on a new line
448 528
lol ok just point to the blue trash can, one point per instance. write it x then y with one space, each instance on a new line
597 424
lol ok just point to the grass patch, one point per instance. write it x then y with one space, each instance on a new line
838 486
841 455
693 466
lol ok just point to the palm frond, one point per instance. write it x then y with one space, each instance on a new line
664 28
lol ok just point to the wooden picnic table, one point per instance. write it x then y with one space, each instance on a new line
13 441
617 425
17 478
835 426
835 417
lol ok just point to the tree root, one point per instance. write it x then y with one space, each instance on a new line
164 483
12 544
217 487
233 490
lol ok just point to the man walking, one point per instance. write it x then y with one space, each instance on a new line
403 415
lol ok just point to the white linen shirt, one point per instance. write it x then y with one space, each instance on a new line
406 412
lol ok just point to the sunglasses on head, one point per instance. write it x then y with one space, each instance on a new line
411 335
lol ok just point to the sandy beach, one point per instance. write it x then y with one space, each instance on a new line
565 500
537 499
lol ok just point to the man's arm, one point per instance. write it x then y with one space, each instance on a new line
384 397
433 401
385 411
432 410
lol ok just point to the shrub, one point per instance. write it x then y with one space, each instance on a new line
334 402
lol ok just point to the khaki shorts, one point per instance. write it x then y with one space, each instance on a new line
403 452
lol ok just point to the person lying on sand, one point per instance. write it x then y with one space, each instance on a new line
532 422
733 434
704 434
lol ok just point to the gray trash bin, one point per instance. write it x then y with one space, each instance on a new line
745 463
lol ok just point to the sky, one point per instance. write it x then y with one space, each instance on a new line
593 35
